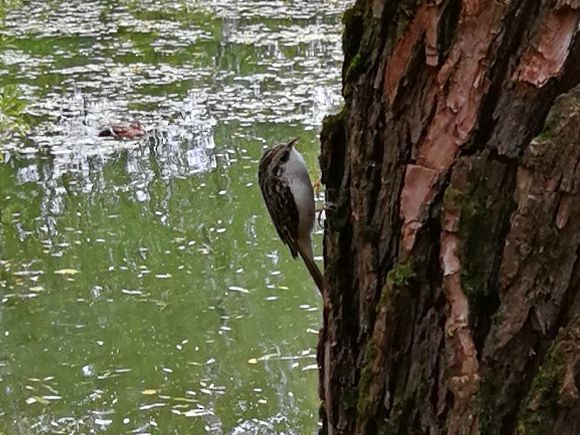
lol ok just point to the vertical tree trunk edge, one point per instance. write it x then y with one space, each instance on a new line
452 301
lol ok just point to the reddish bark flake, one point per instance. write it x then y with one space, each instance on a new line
425 23
417 191
461 352
544 59
465 74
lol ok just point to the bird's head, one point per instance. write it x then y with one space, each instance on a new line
275 158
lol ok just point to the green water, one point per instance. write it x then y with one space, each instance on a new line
142 286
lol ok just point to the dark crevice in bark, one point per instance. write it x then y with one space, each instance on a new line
333 153
568 308
447 28
537 357
571 71
410 90
490 222
374 168
354 28
525 120
489 304
519 18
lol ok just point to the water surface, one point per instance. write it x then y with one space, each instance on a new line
142 286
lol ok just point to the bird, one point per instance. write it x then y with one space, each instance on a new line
122 131
289 197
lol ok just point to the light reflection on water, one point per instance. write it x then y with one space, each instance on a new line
142 287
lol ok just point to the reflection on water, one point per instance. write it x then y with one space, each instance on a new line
142 286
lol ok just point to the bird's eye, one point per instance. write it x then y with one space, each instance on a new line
285 156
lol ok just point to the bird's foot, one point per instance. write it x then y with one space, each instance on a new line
328 207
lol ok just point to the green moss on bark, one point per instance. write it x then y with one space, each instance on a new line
333 124
541 404
366 405
354 29
399 277
401 274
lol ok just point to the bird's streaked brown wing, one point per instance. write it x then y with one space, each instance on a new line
282 208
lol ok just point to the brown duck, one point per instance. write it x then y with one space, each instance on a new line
122 131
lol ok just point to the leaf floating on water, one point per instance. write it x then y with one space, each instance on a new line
263 358
52 390
149 392
310 367
151 406
36 399
163 275
66 272
183 399
102 422
197 413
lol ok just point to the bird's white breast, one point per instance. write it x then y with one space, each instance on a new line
296 175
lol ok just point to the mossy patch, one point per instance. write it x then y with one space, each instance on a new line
401 274
547 134
473 216
465 202
399 277
541 404
356 66
365 403
354 31
332 124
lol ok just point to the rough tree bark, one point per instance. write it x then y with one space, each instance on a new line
452 301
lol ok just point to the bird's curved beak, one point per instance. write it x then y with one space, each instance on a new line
292 143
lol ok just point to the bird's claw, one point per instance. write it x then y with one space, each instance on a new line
327 207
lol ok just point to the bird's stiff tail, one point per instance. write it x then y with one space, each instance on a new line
313 269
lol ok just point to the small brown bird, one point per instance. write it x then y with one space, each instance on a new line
287 191
132 131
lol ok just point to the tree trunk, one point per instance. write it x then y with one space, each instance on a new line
452 301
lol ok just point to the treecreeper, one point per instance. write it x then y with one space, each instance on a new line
289 197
